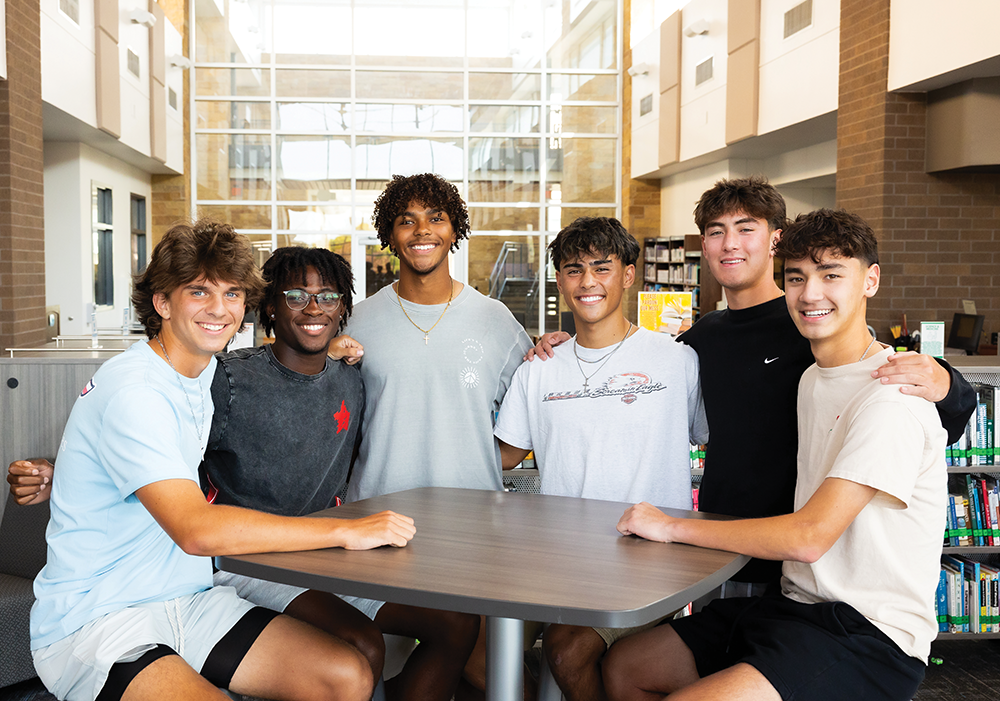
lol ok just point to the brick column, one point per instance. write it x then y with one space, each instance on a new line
22 234
939 234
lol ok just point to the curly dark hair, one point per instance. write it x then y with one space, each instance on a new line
429 190
603 235
753 196
187 252
287 266
834 230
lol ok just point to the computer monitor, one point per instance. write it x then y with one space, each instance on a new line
966 330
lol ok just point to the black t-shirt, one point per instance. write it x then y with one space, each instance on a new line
281 441
750 362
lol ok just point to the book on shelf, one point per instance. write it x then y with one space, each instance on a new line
979 445
972 516
967 599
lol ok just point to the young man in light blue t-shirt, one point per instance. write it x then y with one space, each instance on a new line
125 606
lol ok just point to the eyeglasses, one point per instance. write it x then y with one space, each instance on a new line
297 300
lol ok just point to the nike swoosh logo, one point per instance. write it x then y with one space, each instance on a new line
768 361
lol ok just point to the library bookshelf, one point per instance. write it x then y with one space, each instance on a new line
985 370
673 264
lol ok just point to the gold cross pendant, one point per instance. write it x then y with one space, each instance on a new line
425 339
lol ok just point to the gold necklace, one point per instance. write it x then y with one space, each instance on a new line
426 332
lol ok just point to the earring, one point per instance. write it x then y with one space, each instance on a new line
272 316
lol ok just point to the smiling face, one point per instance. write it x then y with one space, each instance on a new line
199 318
739 252
301 338
421 238
592 286
827 301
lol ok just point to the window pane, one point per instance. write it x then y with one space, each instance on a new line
393 85
503 218
564 216
248 82
218 114
581 34
505 86
505 35
584 167
564 87
340 245
380 158
104 280
314 116
312 32
234 167
503 170
241 36
314 218
577 119
394 33
240 216
513 119
309 167
506 268
381 269
408 118
312 83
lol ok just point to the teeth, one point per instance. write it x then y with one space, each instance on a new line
590 298
423 247
818 312
214 327
313 327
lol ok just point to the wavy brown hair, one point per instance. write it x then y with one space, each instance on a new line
187 252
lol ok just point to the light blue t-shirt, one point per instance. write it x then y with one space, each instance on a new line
130 427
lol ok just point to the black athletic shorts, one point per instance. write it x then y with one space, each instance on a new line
808 652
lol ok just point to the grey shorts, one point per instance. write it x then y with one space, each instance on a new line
76 667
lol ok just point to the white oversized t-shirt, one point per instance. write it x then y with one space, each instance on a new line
886 564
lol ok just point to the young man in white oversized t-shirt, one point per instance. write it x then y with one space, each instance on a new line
854 615
612 419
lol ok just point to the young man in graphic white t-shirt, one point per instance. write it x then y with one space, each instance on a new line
611 419
854 615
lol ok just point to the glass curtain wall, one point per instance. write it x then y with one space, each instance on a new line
304 109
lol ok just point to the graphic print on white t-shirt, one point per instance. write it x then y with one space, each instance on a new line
627 385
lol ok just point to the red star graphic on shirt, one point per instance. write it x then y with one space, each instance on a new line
343 417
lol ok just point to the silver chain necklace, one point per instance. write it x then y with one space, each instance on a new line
197 423
605 358
867 349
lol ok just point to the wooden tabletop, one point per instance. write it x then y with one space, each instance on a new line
514 555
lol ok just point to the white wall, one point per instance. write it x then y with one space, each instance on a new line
646 128
175 117
928 37
703 107
68 78
798 75
70 171
134 91
800 200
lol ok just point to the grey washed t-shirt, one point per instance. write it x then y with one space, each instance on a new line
430 407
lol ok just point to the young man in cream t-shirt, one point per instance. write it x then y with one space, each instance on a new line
854 616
